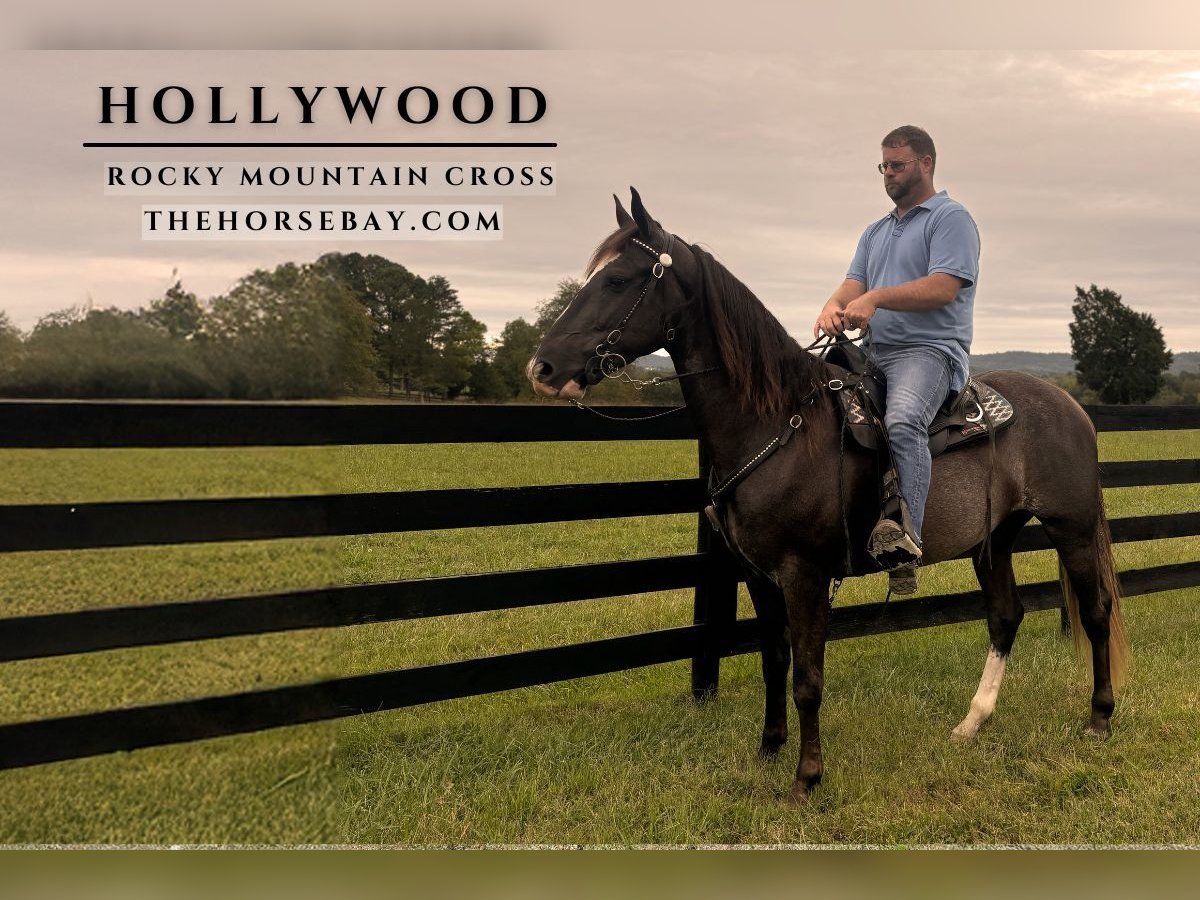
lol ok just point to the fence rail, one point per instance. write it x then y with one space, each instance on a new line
711 573
57 424
77 526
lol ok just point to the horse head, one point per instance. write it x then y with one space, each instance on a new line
630 305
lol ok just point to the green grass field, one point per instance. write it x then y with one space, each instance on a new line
626 758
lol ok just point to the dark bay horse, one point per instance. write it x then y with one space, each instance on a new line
744 379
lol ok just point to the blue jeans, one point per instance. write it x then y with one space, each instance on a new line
918 382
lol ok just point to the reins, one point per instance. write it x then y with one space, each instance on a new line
771 446
827 342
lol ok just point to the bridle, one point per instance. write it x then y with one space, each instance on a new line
662 262
612 364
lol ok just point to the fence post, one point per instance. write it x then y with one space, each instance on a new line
716 601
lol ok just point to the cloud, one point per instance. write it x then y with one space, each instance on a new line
1077 166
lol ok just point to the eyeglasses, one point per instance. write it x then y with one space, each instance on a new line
897 165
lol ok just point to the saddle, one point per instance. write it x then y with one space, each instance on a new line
975 412
966 416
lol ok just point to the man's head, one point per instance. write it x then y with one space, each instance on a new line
908 162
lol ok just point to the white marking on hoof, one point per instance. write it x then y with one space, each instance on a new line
983 704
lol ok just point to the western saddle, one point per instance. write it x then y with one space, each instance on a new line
975 412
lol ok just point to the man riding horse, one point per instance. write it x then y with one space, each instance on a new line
913 282
769 418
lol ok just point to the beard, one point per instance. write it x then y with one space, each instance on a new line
899 190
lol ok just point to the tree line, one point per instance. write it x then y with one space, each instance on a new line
347 324
350 324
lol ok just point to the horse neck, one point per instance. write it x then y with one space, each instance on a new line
728 433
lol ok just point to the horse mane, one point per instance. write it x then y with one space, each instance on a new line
768 370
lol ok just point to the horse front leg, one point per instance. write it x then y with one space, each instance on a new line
776 656
806 593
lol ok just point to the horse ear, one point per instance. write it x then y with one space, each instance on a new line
643 219
623 218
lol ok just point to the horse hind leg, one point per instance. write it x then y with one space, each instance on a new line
1004 615
776 656
1092 597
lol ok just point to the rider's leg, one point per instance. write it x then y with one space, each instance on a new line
918 381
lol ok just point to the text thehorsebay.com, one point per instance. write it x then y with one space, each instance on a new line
339 198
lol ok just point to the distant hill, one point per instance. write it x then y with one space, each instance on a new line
1020 360
1060 363
1023 361
656 362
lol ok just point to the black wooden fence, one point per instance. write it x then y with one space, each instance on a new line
714 634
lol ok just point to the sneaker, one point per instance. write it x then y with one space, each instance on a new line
891 546
903 579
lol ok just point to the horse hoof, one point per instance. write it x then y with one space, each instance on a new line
798 795
962 735
771 745
802 789
1099 732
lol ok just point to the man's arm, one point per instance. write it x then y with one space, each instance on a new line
830 319
919 295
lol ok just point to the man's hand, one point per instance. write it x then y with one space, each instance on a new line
832 318
830 321
858 311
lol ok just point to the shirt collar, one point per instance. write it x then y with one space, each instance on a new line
931 204
935 201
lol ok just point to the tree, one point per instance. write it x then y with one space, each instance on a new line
61 318
1118 352
486 383
177 312
386 289
288 333
518 342
106 353
419 325
460 346
10 347
551 308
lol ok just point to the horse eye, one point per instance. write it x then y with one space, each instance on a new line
617 283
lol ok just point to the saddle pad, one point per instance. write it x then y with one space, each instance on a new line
997 409
963 423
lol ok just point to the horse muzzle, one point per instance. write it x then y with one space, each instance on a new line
541 375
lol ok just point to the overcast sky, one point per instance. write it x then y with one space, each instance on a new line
1078 167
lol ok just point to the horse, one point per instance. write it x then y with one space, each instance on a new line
810 504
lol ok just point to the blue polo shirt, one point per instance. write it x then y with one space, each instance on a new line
938 235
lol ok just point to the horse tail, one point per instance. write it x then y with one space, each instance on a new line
1119 655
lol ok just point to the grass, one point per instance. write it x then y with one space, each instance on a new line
628 759
620 758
